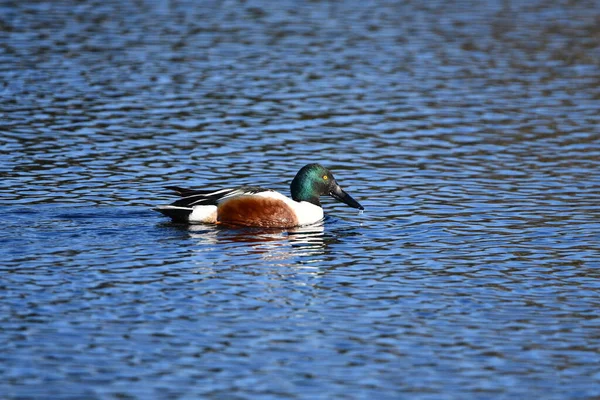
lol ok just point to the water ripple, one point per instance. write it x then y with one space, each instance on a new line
468 131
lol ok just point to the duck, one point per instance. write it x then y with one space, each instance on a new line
252 206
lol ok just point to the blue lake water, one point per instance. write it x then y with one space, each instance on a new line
470 132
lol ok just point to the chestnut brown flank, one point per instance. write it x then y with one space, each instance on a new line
256 211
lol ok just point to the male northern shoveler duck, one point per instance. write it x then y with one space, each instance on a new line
259 207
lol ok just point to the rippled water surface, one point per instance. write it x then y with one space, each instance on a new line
469 131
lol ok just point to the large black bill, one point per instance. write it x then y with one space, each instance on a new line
338 193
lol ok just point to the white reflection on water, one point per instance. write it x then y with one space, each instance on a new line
270 244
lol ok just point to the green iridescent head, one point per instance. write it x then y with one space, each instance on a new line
314 181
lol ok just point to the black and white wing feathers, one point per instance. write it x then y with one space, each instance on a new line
191 197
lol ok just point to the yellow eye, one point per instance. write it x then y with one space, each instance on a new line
325 177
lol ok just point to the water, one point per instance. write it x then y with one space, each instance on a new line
469 132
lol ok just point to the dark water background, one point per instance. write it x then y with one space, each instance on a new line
469 131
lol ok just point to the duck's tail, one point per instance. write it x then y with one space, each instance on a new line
176 213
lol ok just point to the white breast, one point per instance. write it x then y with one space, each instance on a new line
307 213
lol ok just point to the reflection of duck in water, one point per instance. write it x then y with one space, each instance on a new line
259 207
270 243
305 237
218 246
